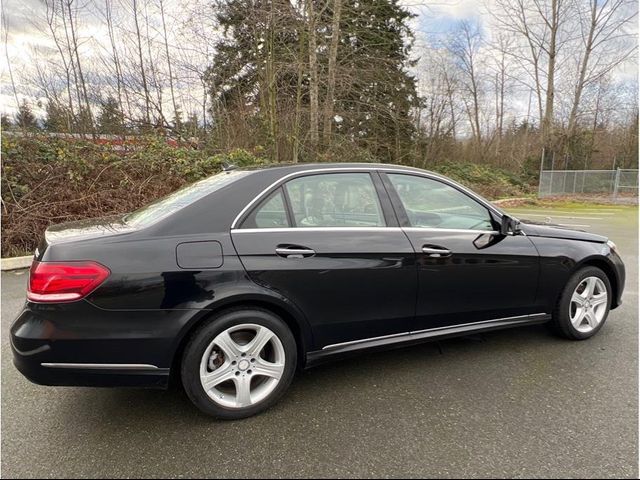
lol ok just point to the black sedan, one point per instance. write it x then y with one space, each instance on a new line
236 281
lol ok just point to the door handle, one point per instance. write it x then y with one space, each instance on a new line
295 252
436 252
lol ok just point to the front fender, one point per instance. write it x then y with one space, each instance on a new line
560 258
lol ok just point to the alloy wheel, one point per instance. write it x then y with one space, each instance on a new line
242 365
588 304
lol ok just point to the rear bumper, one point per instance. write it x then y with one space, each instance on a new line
62 348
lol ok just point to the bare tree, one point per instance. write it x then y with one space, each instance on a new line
143 75
605 27
331 72
465 47
313 75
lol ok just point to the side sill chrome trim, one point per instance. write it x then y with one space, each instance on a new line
444 330
376 168
103 366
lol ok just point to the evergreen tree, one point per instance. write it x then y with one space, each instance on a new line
111 119
191 126
5 122
25 118
376 95
58 118
83 123
260 74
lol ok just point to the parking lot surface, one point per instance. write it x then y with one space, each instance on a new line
514 403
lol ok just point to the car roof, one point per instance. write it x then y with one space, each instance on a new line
301 167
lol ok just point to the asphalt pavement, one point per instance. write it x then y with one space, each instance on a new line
514 403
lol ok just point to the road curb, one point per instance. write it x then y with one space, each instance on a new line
15 263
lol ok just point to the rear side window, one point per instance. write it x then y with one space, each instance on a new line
335 200
164 207
271 213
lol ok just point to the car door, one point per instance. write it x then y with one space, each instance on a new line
330 243
467 271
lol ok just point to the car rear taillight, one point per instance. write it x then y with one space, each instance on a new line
64 281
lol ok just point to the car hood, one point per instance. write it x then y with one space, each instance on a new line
549 230
87 229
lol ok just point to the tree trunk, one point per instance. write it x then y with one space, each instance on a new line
313 79
331 73
83 84
573 116
298 113
166 49
547 124
142 72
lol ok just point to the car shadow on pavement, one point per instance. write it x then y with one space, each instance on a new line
322 385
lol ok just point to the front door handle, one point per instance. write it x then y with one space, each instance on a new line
295 252
436 252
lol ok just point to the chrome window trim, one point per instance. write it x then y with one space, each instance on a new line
363 229
102 366
434 176
316 229
450 230
418 332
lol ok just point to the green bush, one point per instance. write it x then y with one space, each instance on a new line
48 180
489 181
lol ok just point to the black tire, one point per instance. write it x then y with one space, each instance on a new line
202 338
561 321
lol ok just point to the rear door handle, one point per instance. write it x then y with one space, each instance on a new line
436 252
295 252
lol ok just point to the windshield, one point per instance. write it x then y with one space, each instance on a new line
164 207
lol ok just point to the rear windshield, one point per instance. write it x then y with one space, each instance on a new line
164 207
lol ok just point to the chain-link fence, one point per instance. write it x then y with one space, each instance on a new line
619 185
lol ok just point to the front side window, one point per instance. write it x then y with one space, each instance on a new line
433 204
335 200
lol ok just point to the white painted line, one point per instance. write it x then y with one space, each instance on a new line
563 216
573 225
15 263
560 211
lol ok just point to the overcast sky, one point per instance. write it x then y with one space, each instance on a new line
28 43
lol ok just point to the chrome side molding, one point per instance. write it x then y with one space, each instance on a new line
443 331
102 366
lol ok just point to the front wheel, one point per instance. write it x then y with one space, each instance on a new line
584 304
239 363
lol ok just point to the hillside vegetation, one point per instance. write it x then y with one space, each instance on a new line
49 180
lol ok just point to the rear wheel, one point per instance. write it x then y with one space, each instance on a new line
239 363
584 304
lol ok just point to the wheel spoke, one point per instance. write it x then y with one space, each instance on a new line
599 299
227 345
579 318
590 287
243 390
268 369
263 335
219 375
591 318
577 298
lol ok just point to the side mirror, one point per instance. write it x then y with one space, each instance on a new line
509 226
